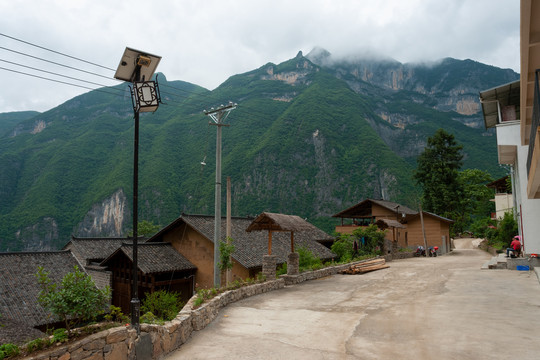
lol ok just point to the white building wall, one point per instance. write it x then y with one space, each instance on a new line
527 210
503 204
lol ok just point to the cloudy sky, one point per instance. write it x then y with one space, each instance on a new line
206 41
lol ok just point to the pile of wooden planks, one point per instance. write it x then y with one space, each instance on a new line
366 266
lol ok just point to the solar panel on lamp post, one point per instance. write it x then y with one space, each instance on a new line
138 67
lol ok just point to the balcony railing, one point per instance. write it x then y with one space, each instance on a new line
535 120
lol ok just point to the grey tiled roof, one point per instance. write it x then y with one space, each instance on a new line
251 246
154 258
94 249
363 208
280 222
19 287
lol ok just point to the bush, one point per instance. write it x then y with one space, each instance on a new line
116 314
36 344
308 261
150 318
369 239
481 227
74 300
507 228
60 335
343 248
163 304
8 350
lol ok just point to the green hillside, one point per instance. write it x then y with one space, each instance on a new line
302 141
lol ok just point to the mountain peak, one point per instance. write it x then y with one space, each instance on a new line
319 56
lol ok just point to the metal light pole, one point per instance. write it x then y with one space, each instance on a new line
218 115
137 67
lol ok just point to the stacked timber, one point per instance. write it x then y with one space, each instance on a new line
366 266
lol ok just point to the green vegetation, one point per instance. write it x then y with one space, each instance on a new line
446 190
8 350
226 248
501 236
145 228
437 174
369 240
162 304
207 294
115 314
74 300
310 148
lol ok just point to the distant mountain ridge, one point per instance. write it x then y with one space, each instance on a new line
311 136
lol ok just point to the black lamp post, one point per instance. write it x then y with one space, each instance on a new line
138 67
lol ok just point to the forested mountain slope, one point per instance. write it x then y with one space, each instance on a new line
310 137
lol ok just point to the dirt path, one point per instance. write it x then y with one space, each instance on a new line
421 308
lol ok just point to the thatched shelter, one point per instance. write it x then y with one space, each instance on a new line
283 223
279 222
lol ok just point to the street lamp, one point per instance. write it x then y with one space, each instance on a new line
137 67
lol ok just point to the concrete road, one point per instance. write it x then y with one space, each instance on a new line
420 308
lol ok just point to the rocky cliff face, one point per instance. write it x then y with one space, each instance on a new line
434 83
40 236
106 218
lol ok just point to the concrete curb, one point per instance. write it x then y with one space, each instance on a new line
537 271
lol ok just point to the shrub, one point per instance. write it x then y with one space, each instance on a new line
150 318
226 248
282 269
308 261
36 344
507 228
8 350
163 304
343 248
59 335
369 239
116 314
481 227
74 300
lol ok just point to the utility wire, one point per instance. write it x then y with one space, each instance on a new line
188 93
57 52
59 81
57 74
55 63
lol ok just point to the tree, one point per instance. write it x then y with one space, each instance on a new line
437 174
75 299
476 201
145 228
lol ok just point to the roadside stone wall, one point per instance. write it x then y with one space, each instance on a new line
156 341
399 255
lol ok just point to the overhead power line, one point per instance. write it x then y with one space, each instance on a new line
57 74
57 52
59 81
55 63
173 97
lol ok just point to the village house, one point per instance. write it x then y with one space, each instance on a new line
19 288
109 261
159 267
91 251
403 225
504 200
192 236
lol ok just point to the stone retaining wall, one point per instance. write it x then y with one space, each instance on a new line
155 341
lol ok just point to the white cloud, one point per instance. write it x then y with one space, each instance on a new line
205 42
